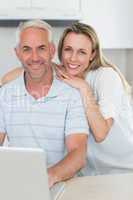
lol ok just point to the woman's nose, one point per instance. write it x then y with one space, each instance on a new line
73 57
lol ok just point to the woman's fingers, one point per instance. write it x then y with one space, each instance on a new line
61 73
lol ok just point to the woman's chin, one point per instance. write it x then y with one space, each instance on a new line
73 72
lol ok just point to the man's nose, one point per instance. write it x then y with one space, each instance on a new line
35 55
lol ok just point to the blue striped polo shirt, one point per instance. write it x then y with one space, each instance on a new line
44 122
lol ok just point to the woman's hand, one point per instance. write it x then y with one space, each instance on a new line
73 81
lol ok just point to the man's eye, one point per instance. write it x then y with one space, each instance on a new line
26 49
42 48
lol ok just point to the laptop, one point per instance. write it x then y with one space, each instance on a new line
23 175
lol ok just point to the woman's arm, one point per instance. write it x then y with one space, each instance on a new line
98 124
11 75
14 73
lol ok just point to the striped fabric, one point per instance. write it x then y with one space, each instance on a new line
44 122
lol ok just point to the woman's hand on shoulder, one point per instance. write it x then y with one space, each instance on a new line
73 81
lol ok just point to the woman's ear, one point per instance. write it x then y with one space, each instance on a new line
93 55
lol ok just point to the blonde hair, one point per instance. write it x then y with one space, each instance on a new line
99 59
37 23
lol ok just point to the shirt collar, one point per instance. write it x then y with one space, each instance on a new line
54 90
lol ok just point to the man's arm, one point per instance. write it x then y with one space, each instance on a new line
76 145
2 138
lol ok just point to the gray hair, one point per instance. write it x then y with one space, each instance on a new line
37 23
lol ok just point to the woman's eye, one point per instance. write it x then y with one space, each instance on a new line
67 49
82 52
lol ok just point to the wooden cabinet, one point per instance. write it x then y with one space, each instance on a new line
8 8
45 9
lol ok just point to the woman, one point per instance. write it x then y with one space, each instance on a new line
106 98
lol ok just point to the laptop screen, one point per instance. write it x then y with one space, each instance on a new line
23 174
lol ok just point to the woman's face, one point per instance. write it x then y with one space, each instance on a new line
76 53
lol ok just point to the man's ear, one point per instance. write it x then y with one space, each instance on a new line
52 50
16 49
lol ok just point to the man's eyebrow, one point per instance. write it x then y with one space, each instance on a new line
42 46
25 47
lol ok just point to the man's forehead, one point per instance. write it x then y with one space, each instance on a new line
34 35
34 31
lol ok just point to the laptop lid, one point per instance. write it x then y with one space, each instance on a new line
23 174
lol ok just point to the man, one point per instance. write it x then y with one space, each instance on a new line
37 110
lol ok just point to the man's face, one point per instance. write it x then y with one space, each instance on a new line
35 53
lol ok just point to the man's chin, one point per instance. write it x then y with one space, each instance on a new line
37 78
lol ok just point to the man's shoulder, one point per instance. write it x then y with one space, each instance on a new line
66 89
11 86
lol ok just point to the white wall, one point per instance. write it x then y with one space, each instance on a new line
7 56
129 68
118 57
112 20
123 58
